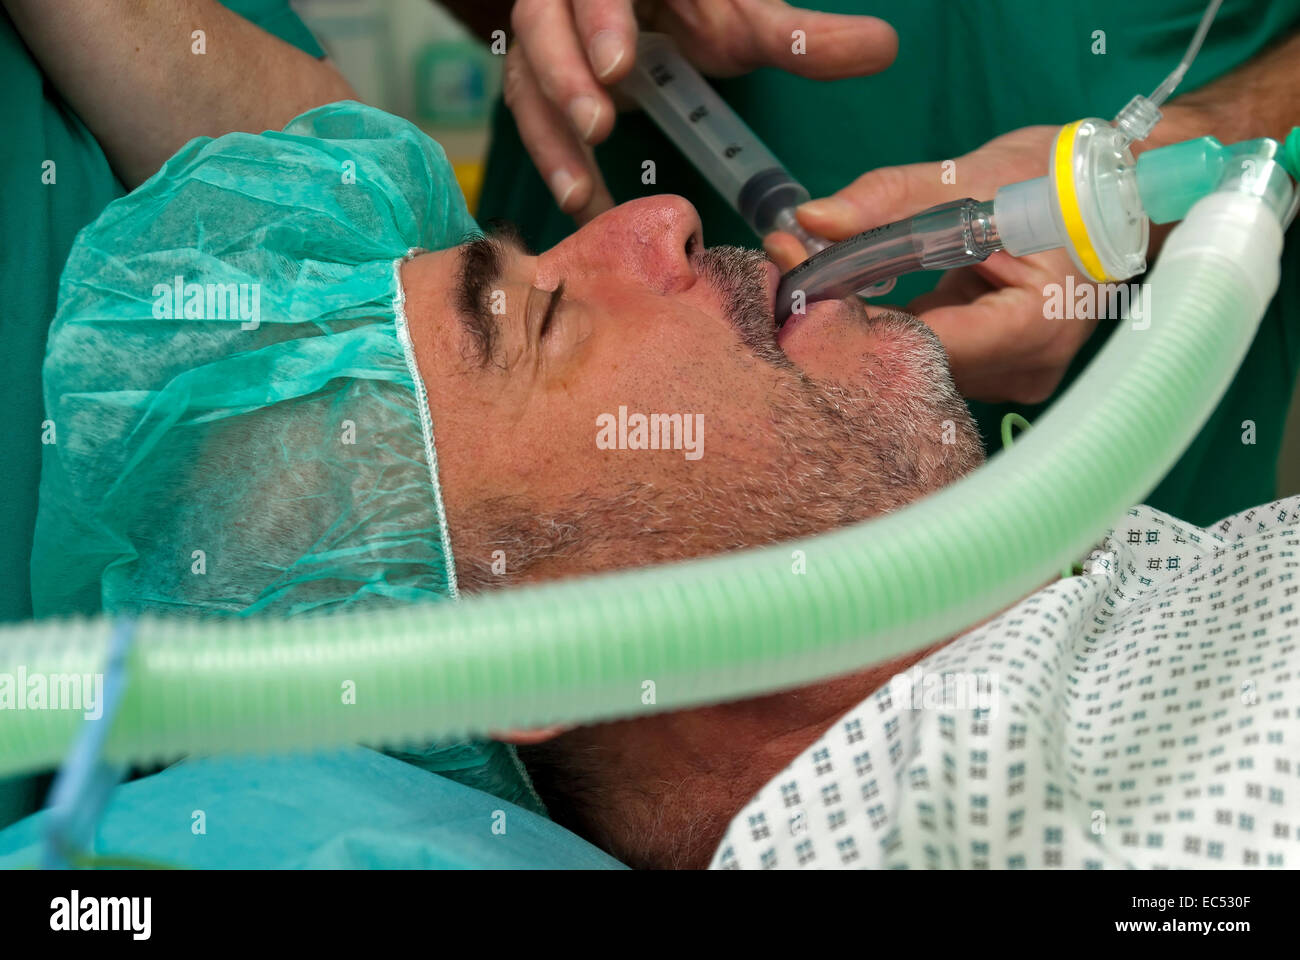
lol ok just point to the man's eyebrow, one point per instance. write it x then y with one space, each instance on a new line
482 260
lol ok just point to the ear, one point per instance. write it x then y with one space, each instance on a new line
523 738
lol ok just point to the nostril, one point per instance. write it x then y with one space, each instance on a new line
692 243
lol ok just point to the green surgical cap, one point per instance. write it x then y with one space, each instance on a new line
236 423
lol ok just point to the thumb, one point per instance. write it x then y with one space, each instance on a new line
878 197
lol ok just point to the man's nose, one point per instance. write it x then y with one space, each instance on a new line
648 241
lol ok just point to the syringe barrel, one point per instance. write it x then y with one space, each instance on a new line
716 141
767 203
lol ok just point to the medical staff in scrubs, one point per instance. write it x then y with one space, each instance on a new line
88 112
973 82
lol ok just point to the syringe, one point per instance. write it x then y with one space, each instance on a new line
716 141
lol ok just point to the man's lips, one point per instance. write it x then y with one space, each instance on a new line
818 308
822 311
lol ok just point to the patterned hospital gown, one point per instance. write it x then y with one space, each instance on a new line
1143 715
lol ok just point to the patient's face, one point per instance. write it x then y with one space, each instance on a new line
832 419
537 368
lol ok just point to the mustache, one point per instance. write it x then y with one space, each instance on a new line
739 276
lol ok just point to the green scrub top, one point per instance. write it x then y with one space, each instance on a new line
44 140
965 73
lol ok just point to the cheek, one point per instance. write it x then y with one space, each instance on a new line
689 366
682 363
468 441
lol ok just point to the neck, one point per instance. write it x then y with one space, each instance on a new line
659 792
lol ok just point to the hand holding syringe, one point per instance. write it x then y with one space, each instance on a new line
567 54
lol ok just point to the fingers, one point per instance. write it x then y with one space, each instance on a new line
599 199
877 197
547 34
784 250
820 46
991 320
555 85
1001 269
980 334
955 288
982 353
565 163
893 193
607 29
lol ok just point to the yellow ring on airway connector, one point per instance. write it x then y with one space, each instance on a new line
1063 168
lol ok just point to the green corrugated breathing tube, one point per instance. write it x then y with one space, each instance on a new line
705 630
